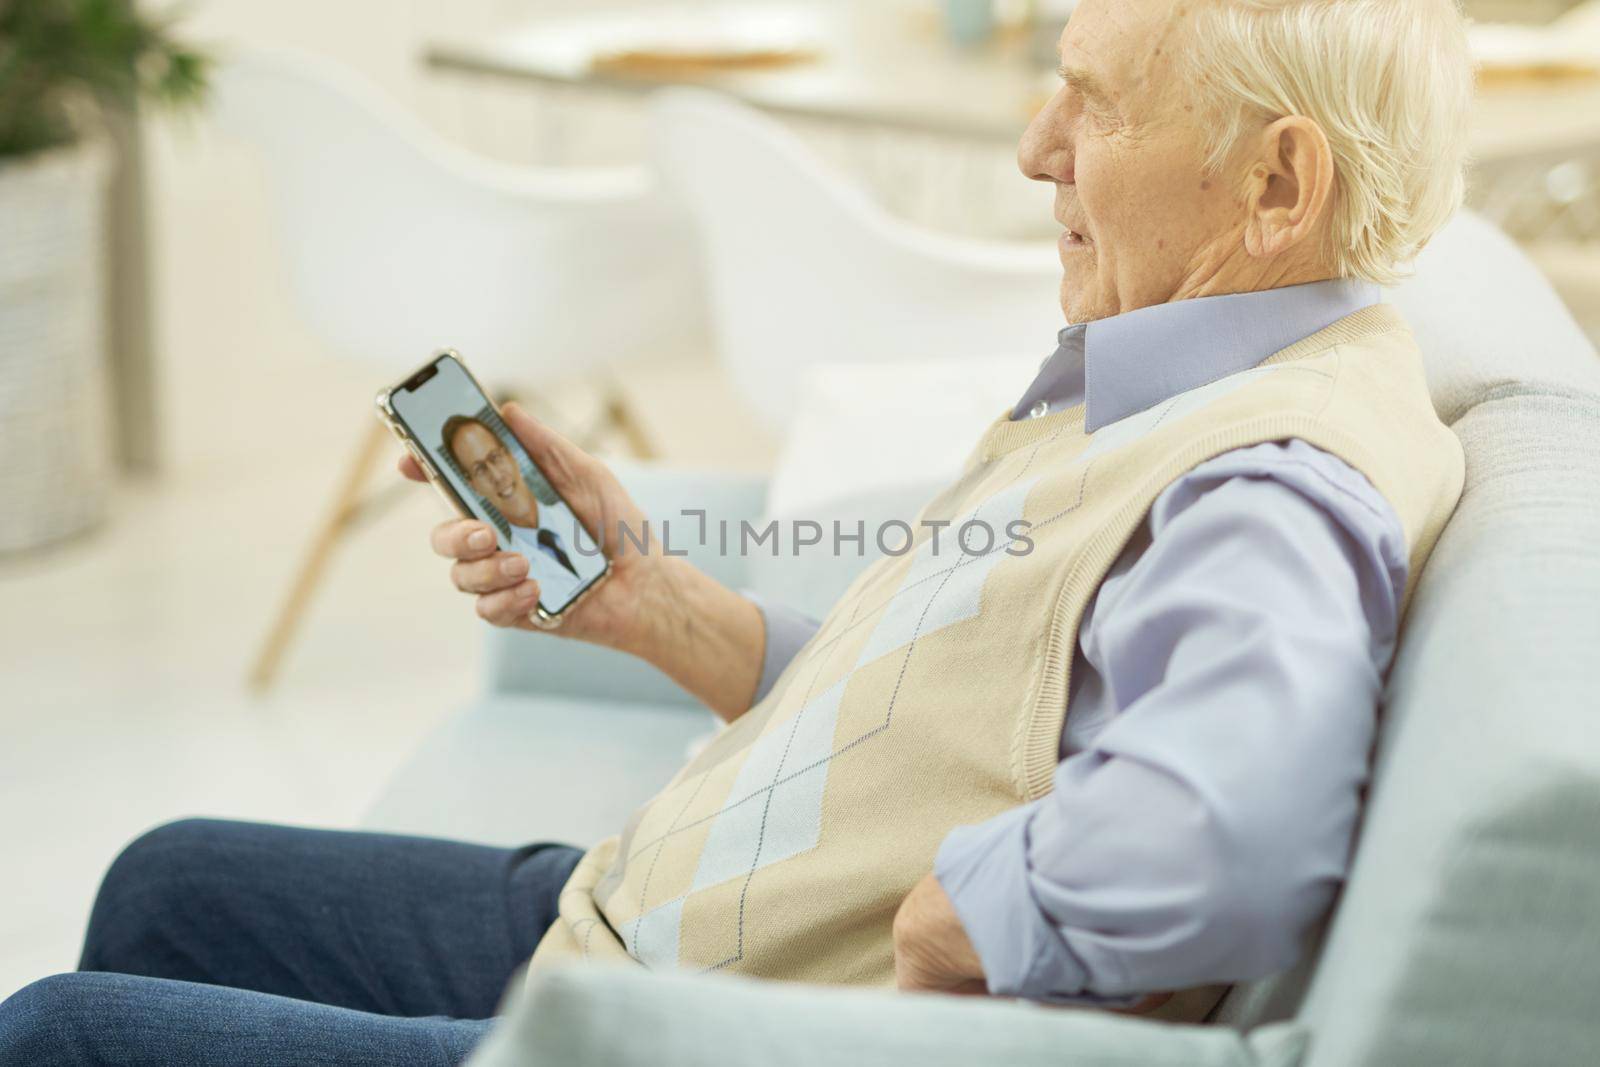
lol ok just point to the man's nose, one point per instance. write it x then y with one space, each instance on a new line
1045 152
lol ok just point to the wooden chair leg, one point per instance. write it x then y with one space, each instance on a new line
348 506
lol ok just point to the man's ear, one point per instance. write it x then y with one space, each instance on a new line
1290 187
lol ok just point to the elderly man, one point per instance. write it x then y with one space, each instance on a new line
1120 762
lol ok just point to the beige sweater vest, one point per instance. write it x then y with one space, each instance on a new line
934 693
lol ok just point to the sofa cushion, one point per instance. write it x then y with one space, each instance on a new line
599 1017
514 770
1487 320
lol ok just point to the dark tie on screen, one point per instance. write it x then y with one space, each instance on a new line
548 541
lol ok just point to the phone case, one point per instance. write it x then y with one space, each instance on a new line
541 618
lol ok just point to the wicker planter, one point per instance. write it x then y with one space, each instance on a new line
54 435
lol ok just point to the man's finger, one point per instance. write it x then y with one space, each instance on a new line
410 468
560 459
500 571
463 539
509 607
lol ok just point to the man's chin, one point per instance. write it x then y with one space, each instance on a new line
1083 301
1074 307
1076 302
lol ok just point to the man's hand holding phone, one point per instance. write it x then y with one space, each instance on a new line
661 608
505 594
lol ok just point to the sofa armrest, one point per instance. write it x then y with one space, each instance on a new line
528 663
607 1017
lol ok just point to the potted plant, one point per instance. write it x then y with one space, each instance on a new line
66 66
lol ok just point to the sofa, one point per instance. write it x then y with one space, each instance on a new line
1469 929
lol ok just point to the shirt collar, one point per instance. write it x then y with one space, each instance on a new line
1129 362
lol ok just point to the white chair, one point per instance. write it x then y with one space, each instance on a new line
399 242
802 267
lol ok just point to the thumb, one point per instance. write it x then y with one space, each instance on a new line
562 462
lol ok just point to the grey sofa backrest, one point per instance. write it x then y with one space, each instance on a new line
1470 926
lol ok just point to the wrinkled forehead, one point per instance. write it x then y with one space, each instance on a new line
1128 48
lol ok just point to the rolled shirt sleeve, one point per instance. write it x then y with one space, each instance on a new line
1231 667
787 632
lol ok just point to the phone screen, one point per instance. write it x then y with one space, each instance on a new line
489 470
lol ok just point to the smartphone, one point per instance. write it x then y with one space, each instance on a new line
446 421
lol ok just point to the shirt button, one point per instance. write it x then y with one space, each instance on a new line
1039 410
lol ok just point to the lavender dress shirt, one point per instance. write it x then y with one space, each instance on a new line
1224 690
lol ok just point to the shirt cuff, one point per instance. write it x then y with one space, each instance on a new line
787 633
983 869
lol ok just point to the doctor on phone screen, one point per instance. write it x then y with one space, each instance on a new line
493 474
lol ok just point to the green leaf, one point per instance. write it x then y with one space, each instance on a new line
55 52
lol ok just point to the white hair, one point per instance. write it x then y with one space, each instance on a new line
1389 82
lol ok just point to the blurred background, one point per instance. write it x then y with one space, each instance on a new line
216 598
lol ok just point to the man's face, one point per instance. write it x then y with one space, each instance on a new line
493 474
1122 146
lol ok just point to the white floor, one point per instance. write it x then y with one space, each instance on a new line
123 659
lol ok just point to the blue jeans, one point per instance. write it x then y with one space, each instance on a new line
236 943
